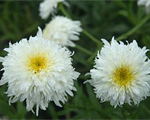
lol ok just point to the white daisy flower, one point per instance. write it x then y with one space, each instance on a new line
121 73
145 3
48 7
38 71
62 30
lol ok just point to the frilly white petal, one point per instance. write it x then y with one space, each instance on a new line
39 33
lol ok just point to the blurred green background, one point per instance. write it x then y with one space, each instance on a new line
103 19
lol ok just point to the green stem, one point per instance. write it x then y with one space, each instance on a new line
146 109
133 30
11 106
13 109
83 50
123 113
92 37
124 36
84 31
63 10
92 56
67 15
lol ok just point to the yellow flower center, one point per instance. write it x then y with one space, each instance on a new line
38 63
123 75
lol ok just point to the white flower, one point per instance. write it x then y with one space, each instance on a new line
48 7
145 3
121 74
62 30
38 71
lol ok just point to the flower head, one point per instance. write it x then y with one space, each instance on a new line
38 71
48 7
63 31
145 3
121 73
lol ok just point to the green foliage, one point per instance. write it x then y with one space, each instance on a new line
103 19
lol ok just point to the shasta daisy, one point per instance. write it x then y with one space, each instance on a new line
48 7
38 71
121 73
63 31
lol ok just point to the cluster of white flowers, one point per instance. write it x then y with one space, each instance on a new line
146 4
62 30
121 73
38 71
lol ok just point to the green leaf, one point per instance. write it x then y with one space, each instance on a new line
21 111
52 111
